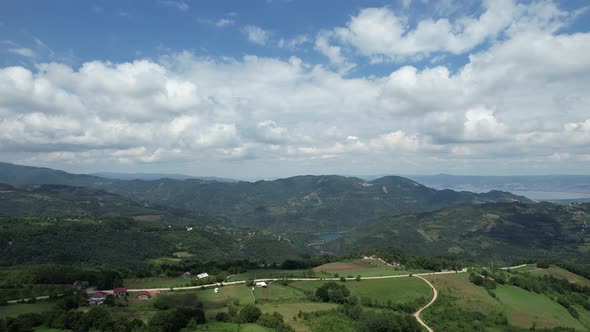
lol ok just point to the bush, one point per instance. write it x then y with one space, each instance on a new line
564 302
371 322
573 312
222 316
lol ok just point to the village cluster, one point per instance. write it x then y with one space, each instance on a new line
99 297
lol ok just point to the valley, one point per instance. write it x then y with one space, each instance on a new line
310 253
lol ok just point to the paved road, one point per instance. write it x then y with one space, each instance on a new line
434 297
419 275
28 299
217 284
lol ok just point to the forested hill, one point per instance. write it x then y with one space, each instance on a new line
502 232
323 202
52 200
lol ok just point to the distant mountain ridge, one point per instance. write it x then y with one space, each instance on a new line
326 202
547 183
157 176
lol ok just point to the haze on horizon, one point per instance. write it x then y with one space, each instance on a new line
276 88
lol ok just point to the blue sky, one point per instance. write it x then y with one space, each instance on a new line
350 87
120 31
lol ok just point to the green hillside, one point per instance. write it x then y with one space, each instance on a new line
502 232
124 242
66 201
327 203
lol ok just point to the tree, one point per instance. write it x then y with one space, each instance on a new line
332 292
250 313
110 300
358 278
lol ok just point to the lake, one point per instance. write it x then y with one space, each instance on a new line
550 195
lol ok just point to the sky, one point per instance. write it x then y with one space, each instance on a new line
273 88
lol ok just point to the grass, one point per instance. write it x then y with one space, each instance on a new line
164 260
364 268
469 296
525 308
526 268
12 310
46 329
183 254
231 327
584 316
276 292
396 290
289 310
277 273
155 282
226 295
522 308
563 274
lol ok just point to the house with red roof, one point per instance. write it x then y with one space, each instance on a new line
97 298
144 295
120 292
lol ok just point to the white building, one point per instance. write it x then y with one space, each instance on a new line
261 284
202 275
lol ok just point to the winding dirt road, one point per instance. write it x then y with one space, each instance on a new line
417 314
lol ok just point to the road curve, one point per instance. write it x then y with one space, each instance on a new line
417 314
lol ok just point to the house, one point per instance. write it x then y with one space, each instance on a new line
144 295
187 275
202 275
97 298
120 292
261 284
80 285
216 290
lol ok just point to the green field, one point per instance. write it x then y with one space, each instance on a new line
563 274
364 268
226 295
468 296
276 273
396 290
46 329
276 293
528 267
155 282
525 308
231 327
12 310
521 308
289 310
